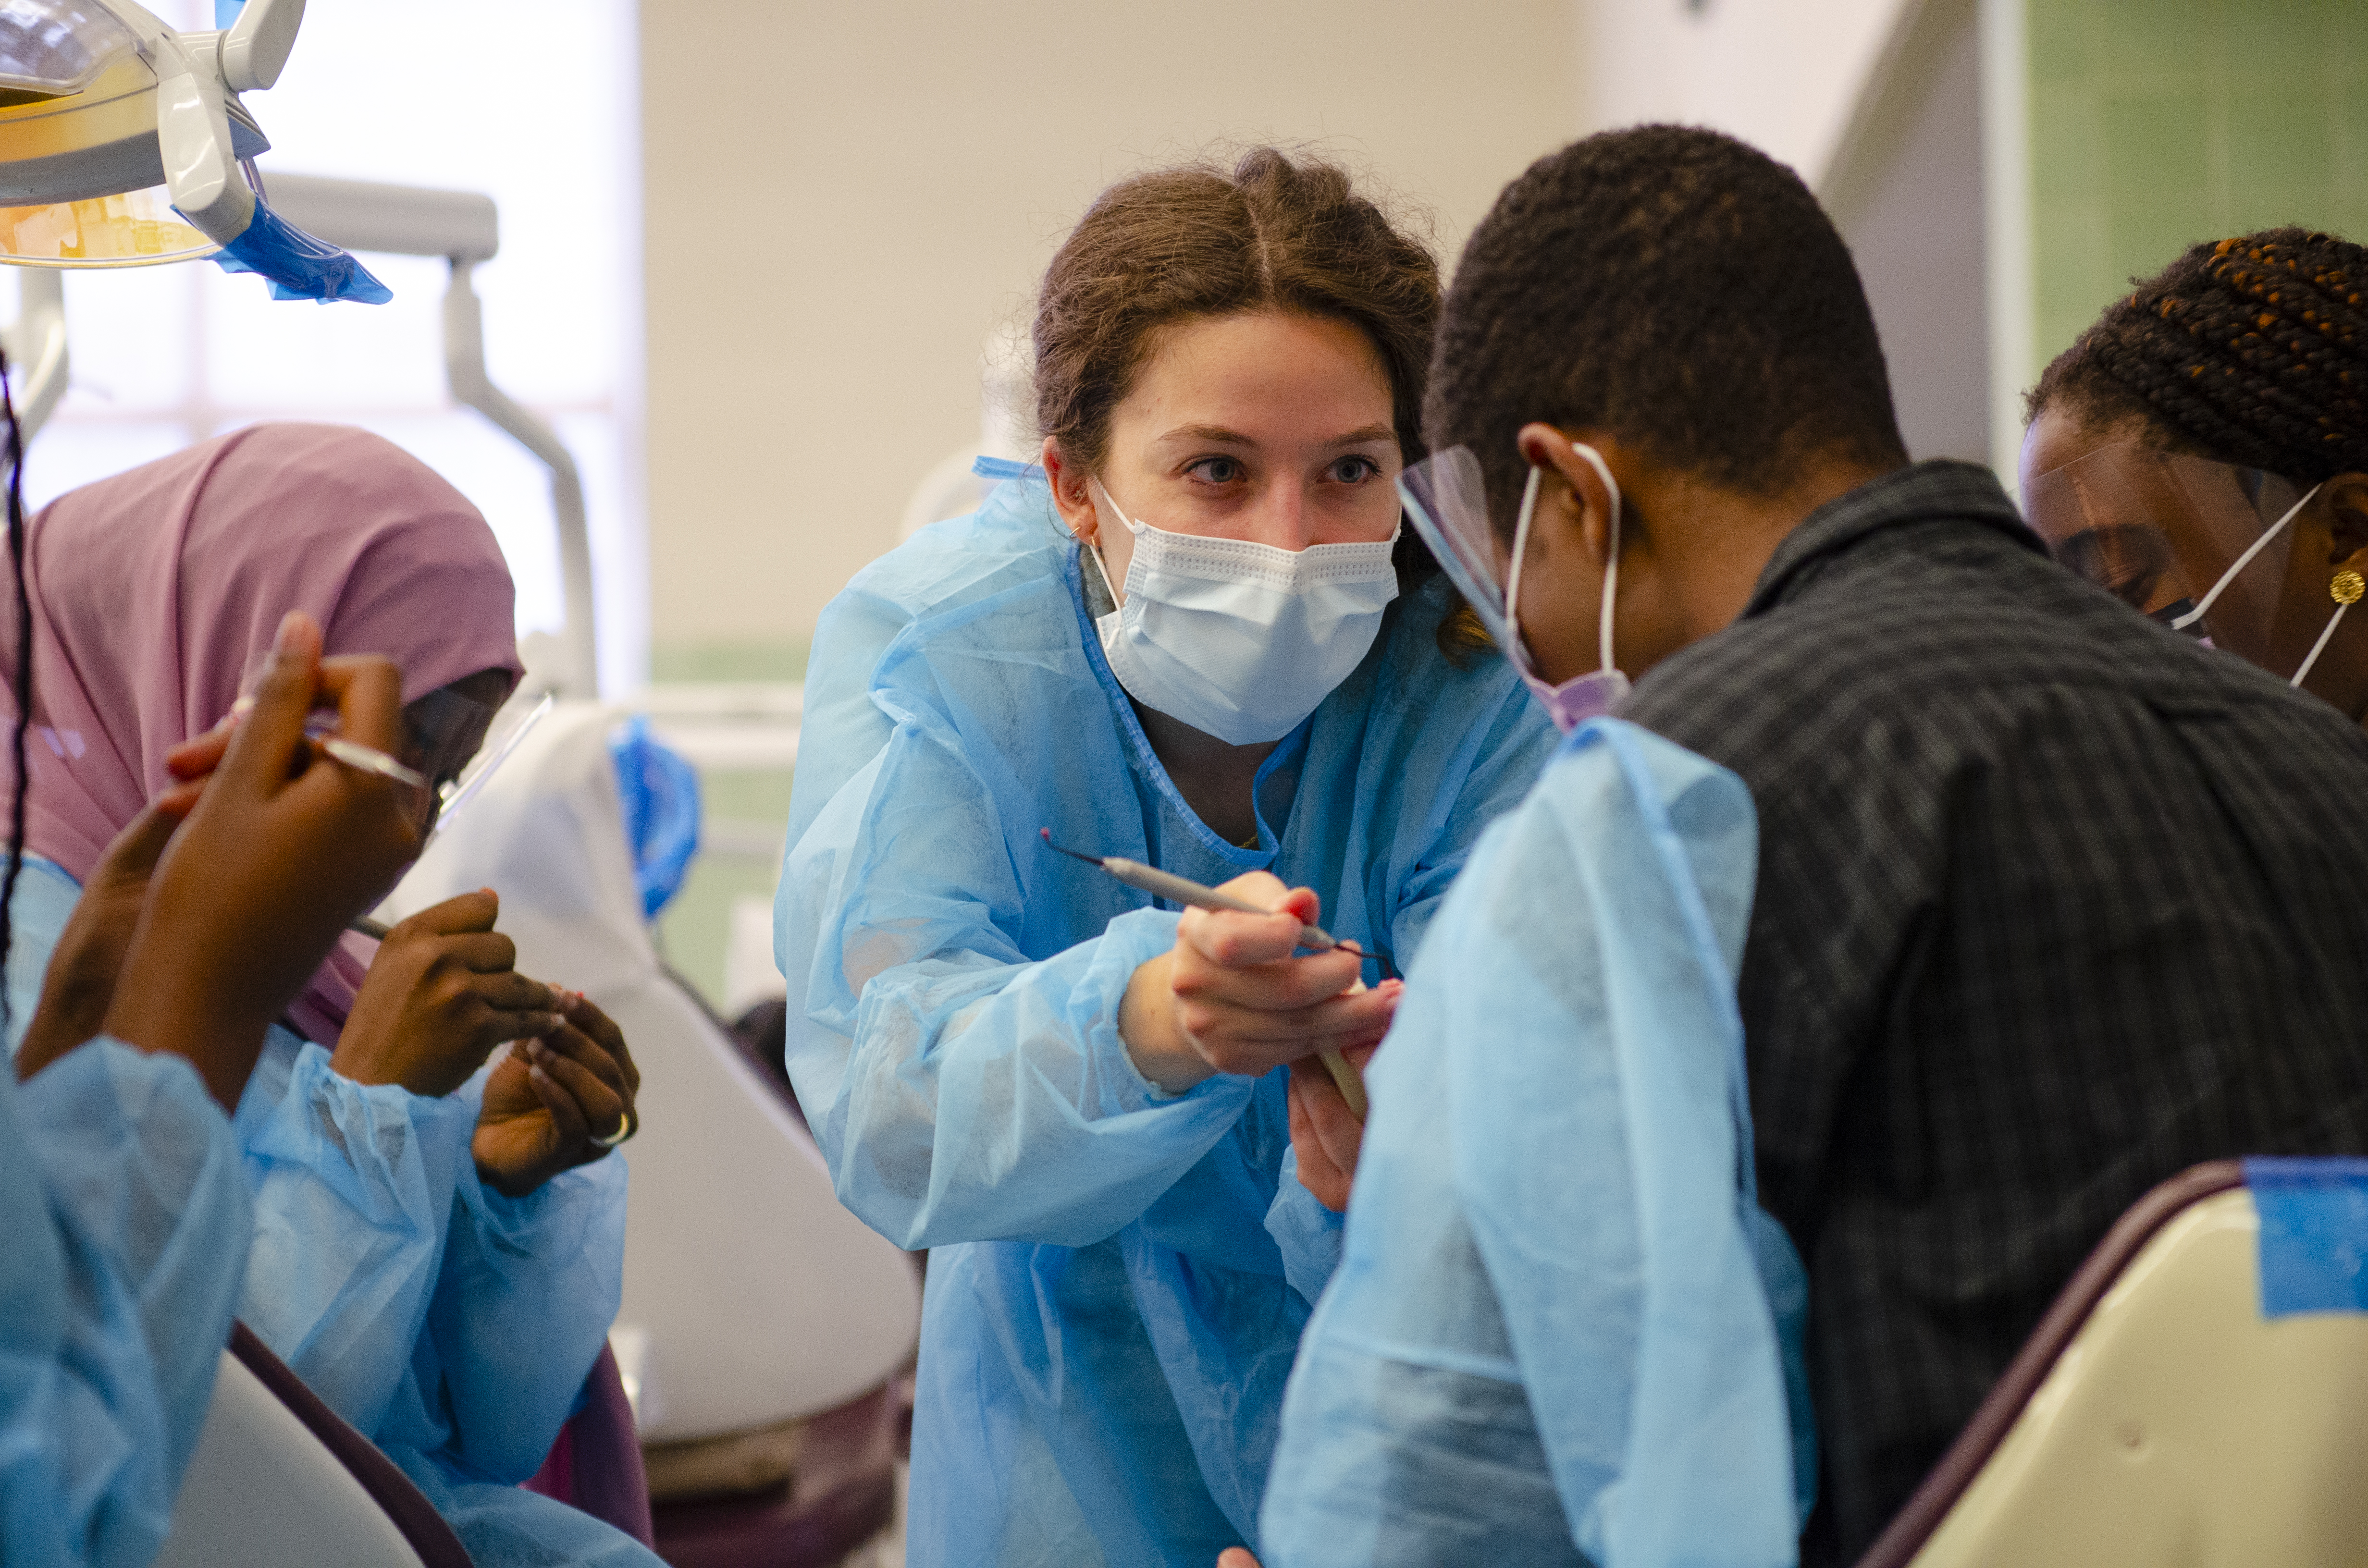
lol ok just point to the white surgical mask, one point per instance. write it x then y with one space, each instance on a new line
2192 617
1581 698
1241 641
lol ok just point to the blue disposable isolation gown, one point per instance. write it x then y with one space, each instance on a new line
451 1326
1562 1325
1119 1276
123 1227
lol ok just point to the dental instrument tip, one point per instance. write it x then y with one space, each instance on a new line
1046 834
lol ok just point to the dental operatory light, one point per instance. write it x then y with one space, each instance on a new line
124 144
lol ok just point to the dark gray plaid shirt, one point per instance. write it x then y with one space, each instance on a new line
2053 904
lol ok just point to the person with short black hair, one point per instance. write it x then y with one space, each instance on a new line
2034 928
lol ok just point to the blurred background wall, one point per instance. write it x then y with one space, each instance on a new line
752 250
840 202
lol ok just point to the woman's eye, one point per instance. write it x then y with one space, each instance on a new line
1216 470
1355 469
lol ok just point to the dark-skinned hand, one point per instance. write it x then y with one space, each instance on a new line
441 994
549 1096
80 983
283 847
1324 1131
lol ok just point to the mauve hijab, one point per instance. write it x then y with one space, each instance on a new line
151 589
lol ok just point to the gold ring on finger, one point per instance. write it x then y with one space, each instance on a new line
626 1126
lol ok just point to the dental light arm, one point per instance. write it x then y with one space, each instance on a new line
255 50
123 143
193 138
462 228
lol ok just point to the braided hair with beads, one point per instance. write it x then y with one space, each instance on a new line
2253 351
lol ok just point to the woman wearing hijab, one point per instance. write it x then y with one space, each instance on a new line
439 1246
125 1211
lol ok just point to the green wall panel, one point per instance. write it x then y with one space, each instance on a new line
2158 124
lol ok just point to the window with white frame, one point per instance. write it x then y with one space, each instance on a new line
531 102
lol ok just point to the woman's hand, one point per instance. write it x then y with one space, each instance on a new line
1236 1557
283 847
1324 1131
550 1097
80 984
1231 997
441 994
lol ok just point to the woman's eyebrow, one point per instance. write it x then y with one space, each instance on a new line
1219 435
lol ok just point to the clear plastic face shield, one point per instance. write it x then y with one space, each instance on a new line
1447 500
2206 547
443 733
1443 496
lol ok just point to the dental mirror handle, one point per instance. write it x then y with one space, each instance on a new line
1168 885
1178 890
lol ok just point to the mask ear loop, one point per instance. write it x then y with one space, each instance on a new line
2346 590
1520 551
2206 602
1101 566
1611 571
1513 578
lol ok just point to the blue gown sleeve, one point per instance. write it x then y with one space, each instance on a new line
1504 763
1308 1234
127 1233
529 1289
1430 848
354 1187
44 901
1559 1307
959 1091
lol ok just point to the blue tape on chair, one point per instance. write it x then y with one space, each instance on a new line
2314 1235
298 265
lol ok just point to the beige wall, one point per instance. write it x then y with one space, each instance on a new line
839 201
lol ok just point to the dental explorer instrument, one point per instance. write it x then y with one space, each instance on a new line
1180 890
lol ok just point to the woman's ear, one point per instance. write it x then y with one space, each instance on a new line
1072 494
2346 498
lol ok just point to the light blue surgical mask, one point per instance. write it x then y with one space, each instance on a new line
1240 640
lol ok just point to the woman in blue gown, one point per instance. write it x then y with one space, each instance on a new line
438 1243
127 1214
1194 635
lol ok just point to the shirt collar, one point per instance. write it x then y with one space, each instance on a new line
1941 487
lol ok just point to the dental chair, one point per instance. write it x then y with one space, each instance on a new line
279 1481
2157 1416
770 1323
